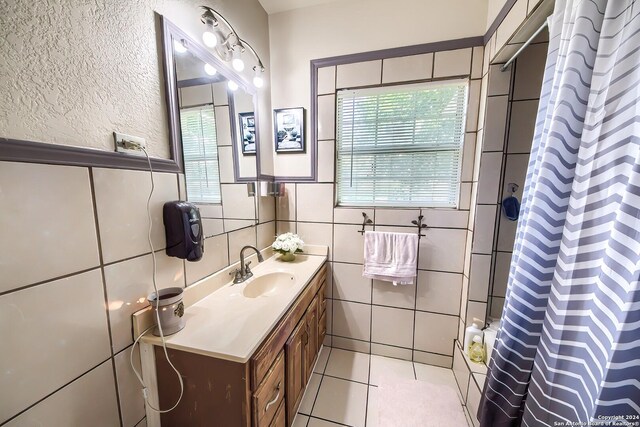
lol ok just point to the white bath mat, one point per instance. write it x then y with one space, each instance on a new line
411 403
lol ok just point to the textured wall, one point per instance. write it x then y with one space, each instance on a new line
75 71
338 28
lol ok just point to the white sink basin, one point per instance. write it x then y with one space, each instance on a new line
269 284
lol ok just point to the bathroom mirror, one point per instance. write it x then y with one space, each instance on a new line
213 122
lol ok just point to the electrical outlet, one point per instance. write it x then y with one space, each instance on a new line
129 144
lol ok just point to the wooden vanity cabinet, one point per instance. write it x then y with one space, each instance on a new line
263 392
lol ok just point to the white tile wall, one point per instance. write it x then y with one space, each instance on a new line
90 397
236 203
359 74
521 126
326 117
315 202
79 361
352 320
434 333
326 80
407 68
128 285
392 326
488 181
36 230
480 277
439 292
495 123
215 257
452 63
131 399
348 283
121 203
223 126
314 233
385 293
49 315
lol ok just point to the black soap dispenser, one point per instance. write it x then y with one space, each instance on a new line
183 229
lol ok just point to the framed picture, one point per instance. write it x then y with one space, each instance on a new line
288 128
247 122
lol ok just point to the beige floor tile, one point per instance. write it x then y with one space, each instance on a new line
341 401
323 358
348 365
300 420
317 422
436 375
310 394
372 407
390 367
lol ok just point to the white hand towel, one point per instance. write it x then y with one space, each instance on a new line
391 257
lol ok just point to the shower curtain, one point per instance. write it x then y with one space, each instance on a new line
568 350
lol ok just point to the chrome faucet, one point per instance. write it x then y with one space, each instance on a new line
243 273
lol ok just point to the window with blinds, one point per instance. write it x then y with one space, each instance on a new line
200 149
401 145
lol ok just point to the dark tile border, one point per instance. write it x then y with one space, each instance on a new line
15 150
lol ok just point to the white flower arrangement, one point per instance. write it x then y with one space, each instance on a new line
288 243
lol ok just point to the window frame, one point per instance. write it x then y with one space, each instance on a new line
428 84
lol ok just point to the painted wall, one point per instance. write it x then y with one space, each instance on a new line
73 72
338 28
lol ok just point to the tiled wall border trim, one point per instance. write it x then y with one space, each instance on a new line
16 150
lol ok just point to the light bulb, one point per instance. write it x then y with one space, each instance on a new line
208 68
233 86
238 64
209 39
258 81
179 46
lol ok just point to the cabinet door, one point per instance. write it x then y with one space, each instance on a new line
312 330
296 368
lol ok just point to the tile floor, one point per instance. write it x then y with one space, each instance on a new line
343 388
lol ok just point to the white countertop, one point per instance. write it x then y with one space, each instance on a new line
227 325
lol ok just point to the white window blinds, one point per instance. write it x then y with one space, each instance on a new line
401 145
200 149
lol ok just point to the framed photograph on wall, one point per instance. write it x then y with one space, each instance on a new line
247 123
288 128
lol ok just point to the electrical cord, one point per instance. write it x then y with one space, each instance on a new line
145 392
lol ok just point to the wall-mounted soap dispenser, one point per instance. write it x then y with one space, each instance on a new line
183 229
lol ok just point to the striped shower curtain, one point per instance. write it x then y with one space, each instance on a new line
568 350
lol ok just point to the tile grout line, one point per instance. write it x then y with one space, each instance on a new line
105 293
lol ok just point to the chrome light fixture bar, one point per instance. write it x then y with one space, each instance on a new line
221 36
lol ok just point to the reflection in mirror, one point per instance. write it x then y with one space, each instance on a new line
216 122
245 151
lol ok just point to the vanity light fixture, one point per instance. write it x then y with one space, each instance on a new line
230 47
233 86
237 62
258 81
208 68
180 46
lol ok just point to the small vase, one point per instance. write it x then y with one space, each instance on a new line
288 257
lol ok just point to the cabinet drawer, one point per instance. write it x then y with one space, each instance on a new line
267 399
280 419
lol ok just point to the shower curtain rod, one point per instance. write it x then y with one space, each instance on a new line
524 46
